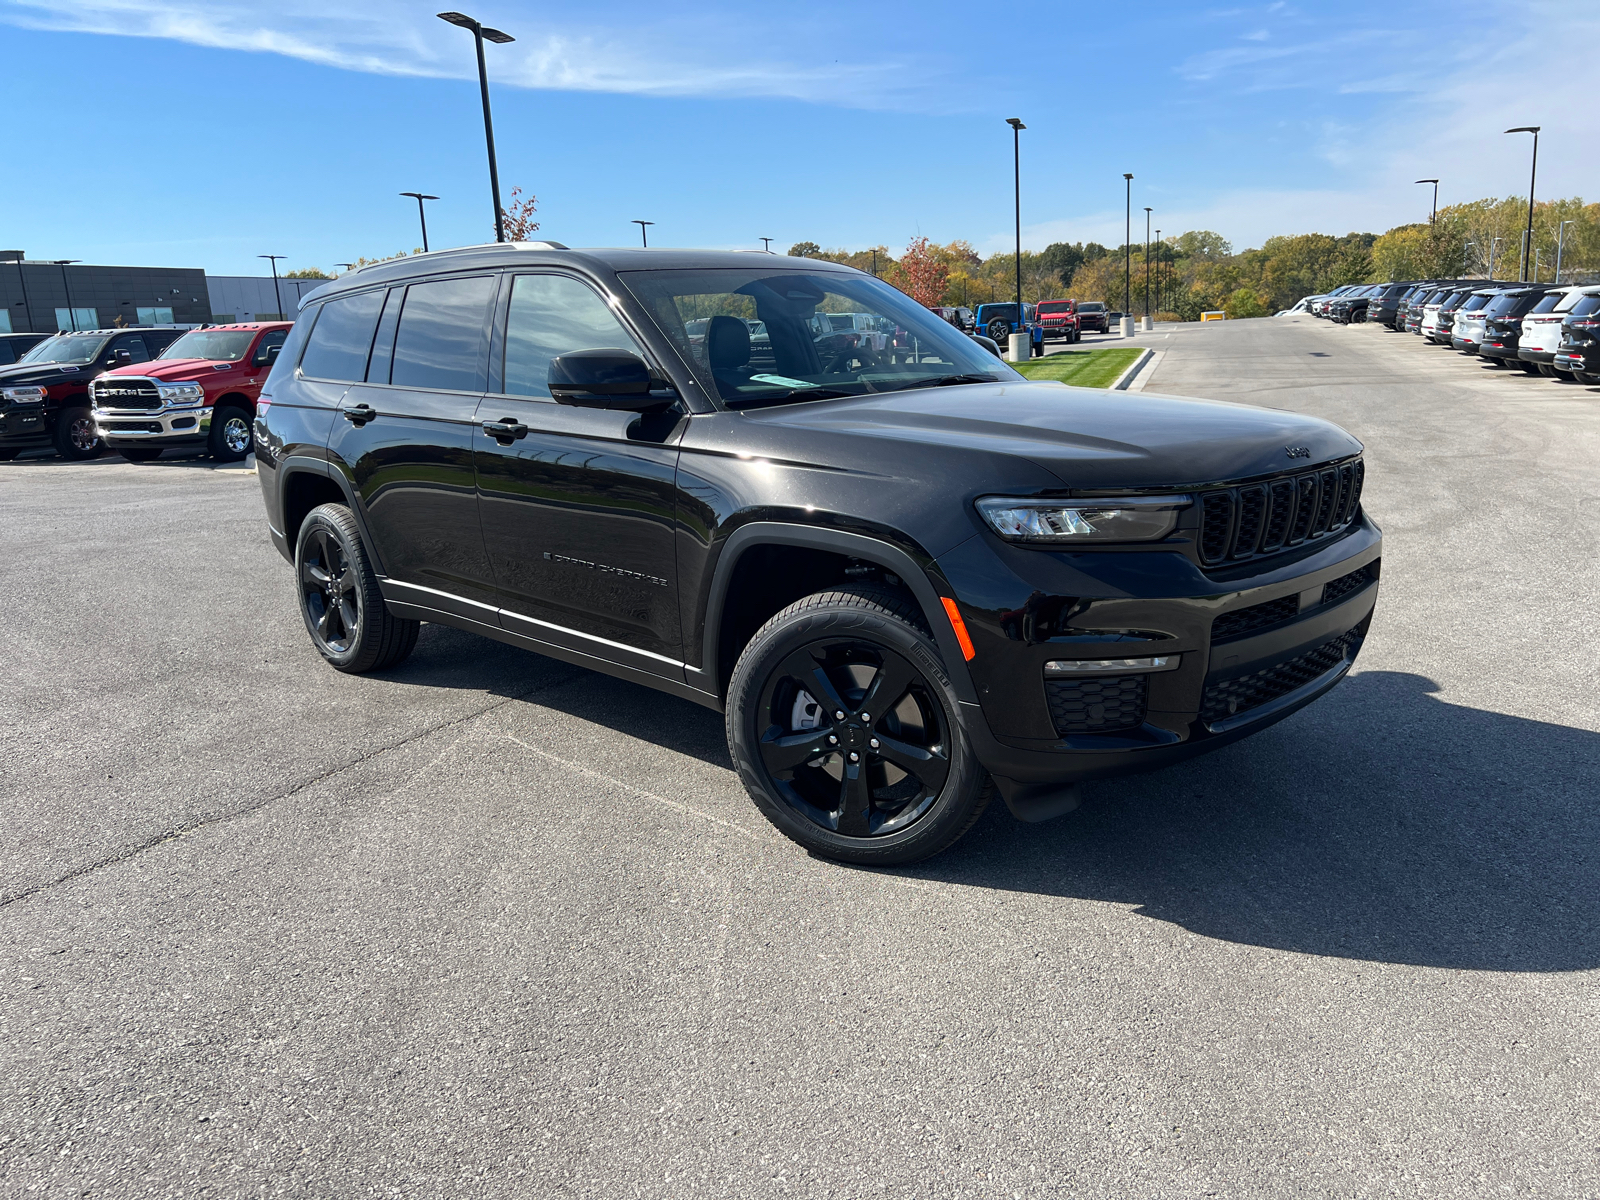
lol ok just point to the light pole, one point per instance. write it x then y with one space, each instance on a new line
479 32
346 266
875 270
1159 264
1493 242
1533 175
1561 234
1016 174
17 256
275 289
421 215
644 231
1147 323
1434 216
72 313
766 244
1127 261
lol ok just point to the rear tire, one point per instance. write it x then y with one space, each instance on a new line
795 719
231 437
140 454
345 614
75 435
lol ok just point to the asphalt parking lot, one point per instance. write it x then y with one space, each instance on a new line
492 926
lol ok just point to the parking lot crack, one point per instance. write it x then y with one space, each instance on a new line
185 828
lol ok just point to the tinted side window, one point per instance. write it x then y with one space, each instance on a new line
553 315
273 337
7 355
337 349
133 344
440 343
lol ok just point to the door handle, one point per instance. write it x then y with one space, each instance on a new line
505 429
360 414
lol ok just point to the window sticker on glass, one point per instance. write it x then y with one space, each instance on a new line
783 381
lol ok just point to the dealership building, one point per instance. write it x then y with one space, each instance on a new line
47 296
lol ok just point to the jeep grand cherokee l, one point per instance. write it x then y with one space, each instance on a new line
200 392
908 577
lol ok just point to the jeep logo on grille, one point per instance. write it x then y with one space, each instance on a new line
1297 451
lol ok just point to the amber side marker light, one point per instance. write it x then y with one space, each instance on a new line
960 627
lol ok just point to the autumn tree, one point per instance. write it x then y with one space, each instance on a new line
518 217
307 273
924 273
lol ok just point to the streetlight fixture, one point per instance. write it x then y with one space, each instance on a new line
1127 260
1016 171
644 231
1434 216
766 244
72 313
1533 174
346 266
17 256
1147 323
1493 242
422 216
479 32
1561 234
275 289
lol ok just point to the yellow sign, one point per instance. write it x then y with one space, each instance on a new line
1213 316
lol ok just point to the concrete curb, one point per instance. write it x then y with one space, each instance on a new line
1120 384
1149 369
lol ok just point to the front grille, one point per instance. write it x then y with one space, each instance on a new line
125 393
1240 695
130 426
1257 616
1262 518
1338 589
1096 705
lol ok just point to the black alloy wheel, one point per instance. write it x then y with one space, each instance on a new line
230 438
139 454
842 723
999 330
344 611
75 435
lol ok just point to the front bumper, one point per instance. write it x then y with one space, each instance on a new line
23 426
169 426
1249 652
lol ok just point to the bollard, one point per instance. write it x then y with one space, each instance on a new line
1021 348
1127 326
1149 323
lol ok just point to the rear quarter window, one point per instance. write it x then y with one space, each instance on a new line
342 336
441 344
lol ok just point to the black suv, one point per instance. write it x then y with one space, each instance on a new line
900 569
44 396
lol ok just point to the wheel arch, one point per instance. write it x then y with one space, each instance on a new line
733 611
303 484
236 400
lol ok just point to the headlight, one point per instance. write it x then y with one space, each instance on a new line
181 393
1054 522
23 395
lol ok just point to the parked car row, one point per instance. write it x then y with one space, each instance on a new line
138 391
1544 328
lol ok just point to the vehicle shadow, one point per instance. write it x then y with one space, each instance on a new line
1381 824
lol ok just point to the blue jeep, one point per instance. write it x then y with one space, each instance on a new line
999 321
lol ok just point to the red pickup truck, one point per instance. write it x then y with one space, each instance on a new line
1060 319
201 391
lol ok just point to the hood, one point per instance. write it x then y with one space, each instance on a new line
169 369
19 374
1086 437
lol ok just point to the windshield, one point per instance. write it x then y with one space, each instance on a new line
756 336
1501 304
1548 304
65 350
1474 303
1055 306
1091 306
218 345
1586 305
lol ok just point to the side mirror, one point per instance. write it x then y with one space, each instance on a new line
121 356
616 379
273 352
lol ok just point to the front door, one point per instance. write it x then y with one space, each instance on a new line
578 504
406 434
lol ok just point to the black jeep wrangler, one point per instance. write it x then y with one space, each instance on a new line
44 396
908 576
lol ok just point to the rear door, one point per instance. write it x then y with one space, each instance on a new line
579 504
405 435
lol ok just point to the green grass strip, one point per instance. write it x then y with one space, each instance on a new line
1081 368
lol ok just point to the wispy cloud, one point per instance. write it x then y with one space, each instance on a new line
686 57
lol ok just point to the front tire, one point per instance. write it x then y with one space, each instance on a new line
231 437
349 623
75 435
842 724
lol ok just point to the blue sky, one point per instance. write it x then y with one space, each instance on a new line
204 132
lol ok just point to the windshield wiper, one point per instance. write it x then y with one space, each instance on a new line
944 381
810 393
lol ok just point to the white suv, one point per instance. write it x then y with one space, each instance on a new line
1541 328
